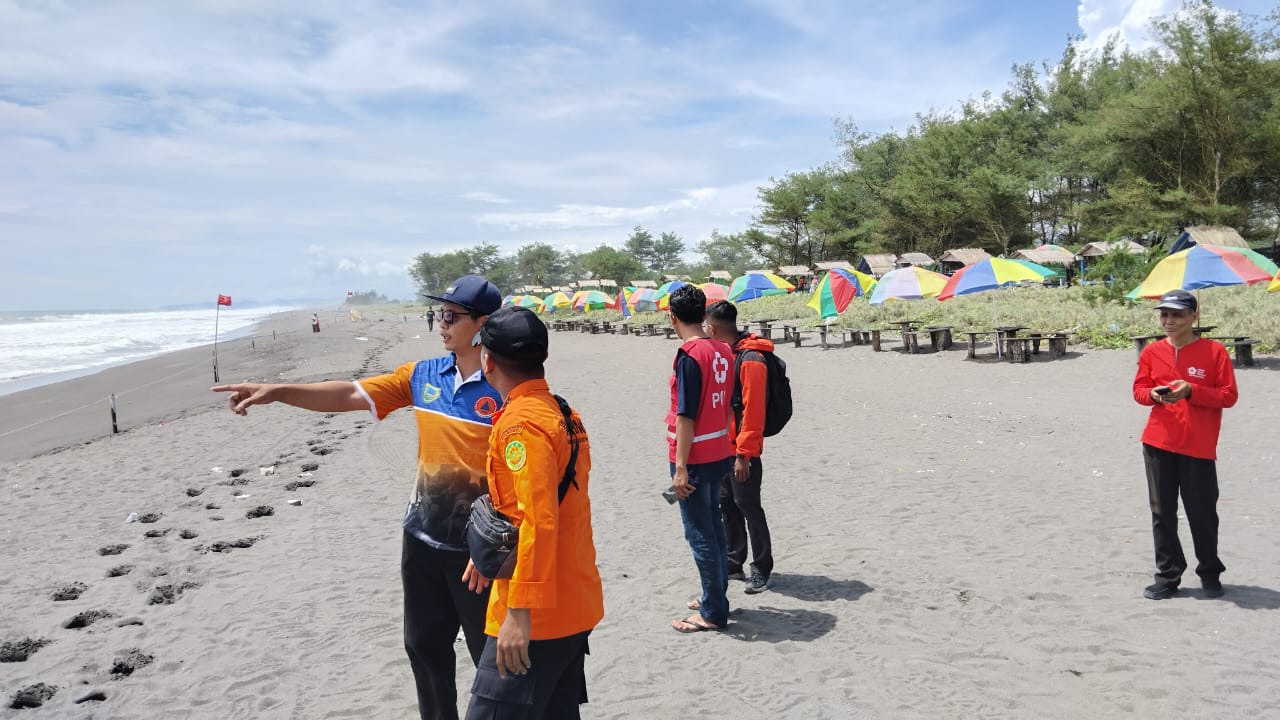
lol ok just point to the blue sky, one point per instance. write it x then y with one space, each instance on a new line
160 153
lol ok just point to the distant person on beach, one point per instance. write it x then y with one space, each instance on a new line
431 319
700 452
1188 381
533 664
453 406
315 322
740 498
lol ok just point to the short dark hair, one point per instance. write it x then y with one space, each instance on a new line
688 304
522 368
724 314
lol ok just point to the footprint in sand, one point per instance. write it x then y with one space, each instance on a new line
260 511
158 532
95 696
132 660
69 592
32 696
213 506
294 485
20 650
310 466
188 534
113 549
321 451
119 571
86 618
194 492
150 518
226 546
168 594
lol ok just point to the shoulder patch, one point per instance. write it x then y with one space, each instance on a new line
430 393
515 455
509 431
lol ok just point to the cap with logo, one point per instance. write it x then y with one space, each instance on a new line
473 293
515 332
1178 300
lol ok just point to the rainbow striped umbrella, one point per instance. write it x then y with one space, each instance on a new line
1037 268
1275 284
908 283
714 292
1198 267
837 289
988 274
556 300
644 300
758 284
533 302
590 300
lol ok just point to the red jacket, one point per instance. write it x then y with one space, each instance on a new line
750 395
711 427
1191 426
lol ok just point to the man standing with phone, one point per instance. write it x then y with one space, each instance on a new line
1187 381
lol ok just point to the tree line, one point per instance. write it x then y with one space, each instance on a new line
1099 146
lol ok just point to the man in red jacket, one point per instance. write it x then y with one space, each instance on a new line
740 499
1188 381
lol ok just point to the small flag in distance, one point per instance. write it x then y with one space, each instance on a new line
224 300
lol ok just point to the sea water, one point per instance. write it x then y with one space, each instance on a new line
40 347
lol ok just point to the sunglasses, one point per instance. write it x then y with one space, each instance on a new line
448 317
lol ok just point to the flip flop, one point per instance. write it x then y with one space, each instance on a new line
693 624
694 604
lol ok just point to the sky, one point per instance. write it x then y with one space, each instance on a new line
160 153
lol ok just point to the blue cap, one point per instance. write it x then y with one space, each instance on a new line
473 293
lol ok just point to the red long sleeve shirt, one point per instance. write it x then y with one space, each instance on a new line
1190 426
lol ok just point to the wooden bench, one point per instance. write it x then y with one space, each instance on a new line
795 336
939 337
1243 348
669 331
1018 348
973 342
1056 343
1140 341
911 341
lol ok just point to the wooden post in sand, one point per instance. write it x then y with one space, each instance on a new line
114 428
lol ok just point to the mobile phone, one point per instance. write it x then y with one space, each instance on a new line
670 495
1163 390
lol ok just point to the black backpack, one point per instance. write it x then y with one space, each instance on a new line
777 406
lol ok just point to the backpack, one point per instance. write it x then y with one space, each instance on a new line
777 406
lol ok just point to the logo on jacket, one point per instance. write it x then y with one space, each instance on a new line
515 455
720 368
1196 372
486 406
430 394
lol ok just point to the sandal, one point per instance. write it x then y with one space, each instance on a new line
693 624
694 604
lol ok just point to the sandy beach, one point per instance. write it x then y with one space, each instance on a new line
953 539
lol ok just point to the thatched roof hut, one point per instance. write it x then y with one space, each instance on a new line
1047 255
719 275
794 270
956 258
644 284
877 264
917 259
1219 235
830 265
1098 249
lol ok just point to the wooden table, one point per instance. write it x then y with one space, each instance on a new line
1003 334
1140 341
766 328
939 337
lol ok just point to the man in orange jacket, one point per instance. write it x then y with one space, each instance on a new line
740 500
1186 381
538 619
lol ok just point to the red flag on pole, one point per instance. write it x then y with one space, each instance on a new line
224 300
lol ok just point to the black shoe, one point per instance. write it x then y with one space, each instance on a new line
1159 591
737 574
757 584
1212 588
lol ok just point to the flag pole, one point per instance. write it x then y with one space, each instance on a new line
217 313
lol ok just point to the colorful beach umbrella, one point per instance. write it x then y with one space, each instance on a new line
644 300
758 284
533 302
1275 284
908 283
590 300
556 300
714 292
669 287
1037 268
1198 267
837 289
988 274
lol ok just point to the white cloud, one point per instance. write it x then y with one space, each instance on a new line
1127 21
594 216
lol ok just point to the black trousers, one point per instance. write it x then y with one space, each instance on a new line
436 604
554 686
744 518
1169 473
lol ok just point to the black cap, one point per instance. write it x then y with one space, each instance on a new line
473 293
517 333
1178 300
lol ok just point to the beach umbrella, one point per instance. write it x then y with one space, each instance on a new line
667 288
556 300
508 299
714 292
908 283
1258 259
1275 284
837 289
987 274
1037 268
758 284
533 302
1200 266
644 300
590 300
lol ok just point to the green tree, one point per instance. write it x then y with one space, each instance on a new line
541 265
642 247
610 263
730 253
667 252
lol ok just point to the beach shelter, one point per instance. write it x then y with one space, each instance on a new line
1198 267
622 303
714 292
918 259
1046 255
556 300
533 302
877 264
1216 235
758 283
988 274
644 300
956 258
590 300
908 283
837 289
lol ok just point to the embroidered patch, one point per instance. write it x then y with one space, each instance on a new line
486 406
430 393
515 454
509 431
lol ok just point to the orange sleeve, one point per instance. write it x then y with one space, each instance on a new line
389 392
755 383
536 479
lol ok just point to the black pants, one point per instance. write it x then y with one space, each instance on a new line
743 518
1197 479
436 604
554 687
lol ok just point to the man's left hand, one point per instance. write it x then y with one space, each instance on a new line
513 643
741 467
1178 390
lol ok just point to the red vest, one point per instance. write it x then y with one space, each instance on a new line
711 427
